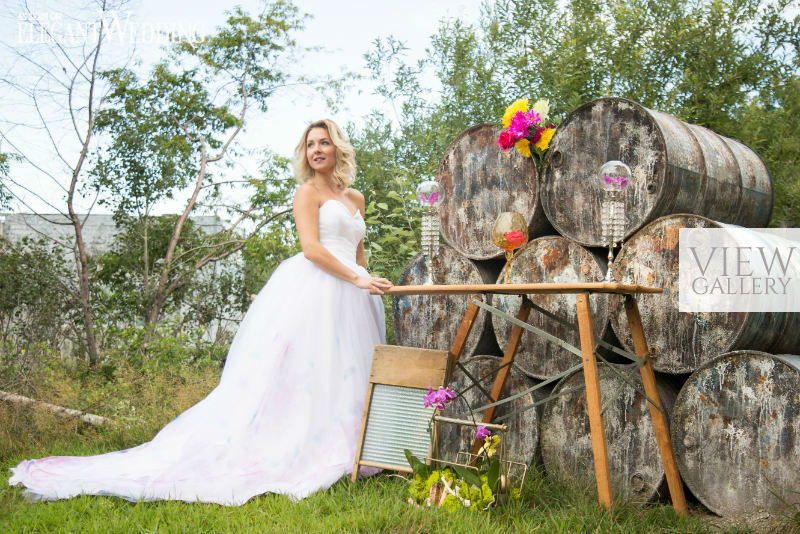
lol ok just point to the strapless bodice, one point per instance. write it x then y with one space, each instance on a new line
339 230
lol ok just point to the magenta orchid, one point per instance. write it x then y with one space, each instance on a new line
482 432
439 398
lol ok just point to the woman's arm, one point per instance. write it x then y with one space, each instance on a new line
306 217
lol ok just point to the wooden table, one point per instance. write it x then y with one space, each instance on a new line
589 360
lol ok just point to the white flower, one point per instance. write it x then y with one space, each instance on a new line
542 107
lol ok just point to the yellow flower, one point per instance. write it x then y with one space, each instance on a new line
544 141
519 105
524 147
542 107
490 445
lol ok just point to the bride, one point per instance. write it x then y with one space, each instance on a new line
286 414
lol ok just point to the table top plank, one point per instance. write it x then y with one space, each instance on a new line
523 289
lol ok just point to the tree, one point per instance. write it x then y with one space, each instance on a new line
139 141
65 82
166 132
729 66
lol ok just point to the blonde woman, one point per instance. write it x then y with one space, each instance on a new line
286 414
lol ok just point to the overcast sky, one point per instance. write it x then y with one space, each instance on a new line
344 30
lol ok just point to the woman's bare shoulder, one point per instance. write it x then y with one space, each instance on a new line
354 195
307 194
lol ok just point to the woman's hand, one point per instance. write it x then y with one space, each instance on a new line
376 286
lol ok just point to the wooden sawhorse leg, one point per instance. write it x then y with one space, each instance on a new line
656 414
593 401
594 405
461 336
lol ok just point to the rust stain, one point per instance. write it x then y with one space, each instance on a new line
554 258
773 415
764 463
670 239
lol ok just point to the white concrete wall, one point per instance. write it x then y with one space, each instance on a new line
98 230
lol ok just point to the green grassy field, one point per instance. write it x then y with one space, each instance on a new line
141 400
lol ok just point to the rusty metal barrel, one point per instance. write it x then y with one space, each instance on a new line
677 168
479 181
522 438
682 342
633 455
550 259
431 321
736 432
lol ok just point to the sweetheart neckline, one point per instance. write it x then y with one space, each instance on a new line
342 204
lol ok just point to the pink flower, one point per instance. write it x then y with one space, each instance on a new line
506 140
535 136
619 181
521 122
430 200
482 432
515 239
438 398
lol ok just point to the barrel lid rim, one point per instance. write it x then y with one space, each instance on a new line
546 171
530 218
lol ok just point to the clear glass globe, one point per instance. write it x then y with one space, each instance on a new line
429 194
615 175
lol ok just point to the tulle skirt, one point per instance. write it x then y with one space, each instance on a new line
284 418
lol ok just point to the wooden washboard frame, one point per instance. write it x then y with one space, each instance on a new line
394 414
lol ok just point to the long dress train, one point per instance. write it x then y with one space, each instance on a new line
286 414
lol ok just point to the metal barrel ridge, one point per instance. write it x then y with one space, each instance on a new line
676 168
479 181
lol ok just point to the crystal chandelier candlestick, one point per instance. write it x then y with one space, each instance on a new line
430 230
429 195
614 176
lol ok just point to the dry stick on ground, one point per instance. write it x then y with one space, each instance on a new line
92 419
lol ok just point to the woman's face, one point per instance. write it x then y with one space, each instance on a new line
320 151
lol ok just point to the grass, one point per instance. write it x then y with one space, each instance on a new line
142 400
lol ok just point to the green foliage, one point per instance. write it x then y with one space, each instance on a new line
149 157
729 66
170 346
35 302
264 252
129 271
774 132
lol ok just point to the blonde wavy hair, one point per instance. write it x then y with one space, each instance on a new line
345 167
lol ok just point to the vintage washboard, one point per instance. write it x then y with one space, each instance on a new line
394 414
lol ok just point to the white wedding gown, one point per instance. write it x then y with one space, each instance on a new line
286 414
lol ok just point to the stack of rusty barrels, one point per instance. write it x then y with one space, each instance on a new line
732 401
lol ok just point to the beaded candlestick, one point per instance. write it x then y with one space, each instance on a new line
615 176
430 196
